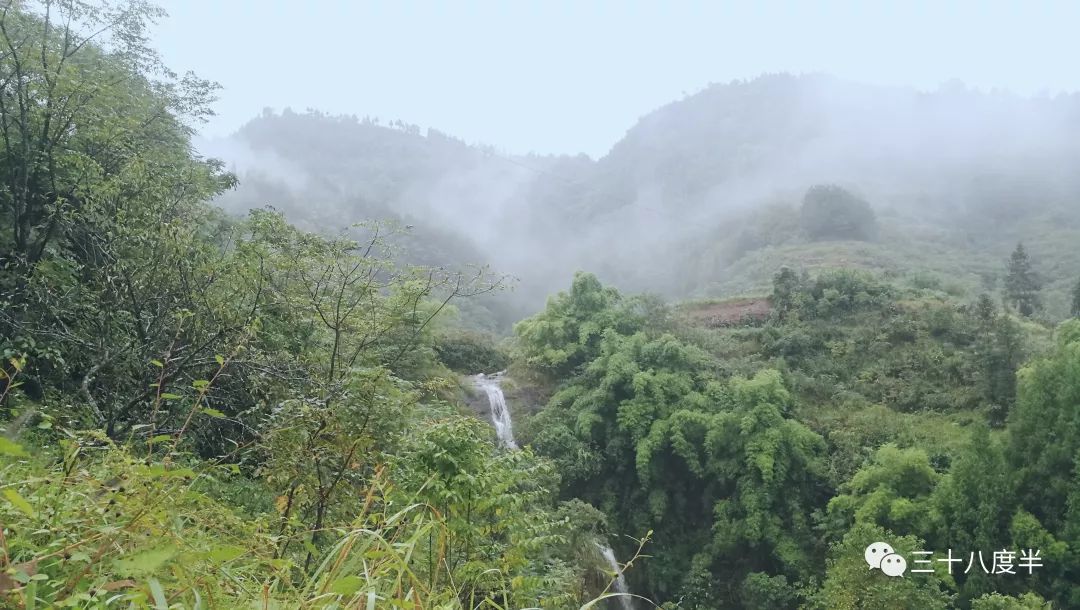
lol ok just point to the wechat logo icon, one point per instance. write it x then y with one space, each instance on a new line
880 555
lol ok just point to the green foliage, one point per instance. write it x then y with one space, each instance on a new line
763 592
470 352
248 414
1022 283
831 293
709 456
757 469
107 528
567 333
786 292
996 601
502 538
1075 308
104 227
999 349
831 212
208 411
849 332
850 585
892 492
1044 434
972 506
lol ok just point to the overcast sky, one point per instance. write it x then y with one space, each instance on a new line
569 77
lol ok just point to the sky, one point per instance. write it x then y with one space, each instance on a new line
572 77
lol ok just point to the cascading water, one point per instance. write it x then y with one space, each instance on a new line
504 431
500 415
619 586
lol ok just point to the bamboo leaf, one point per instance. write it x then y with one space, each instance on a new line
19 502
159 594
347 585
145 562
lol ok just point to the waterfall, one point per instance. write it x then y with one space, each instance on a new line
500 415
619 585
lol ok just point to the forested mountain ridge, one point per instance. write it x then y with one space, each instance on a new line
694 185
271 407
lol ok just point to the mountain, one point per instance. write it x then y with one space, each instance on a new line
691 189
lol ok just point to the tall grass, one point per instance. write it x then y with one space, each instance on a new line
88 524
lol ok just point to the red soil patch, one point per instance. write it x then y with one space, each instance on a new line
736 312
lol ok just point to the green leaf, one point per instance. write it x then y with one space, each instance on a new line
159 594
347 585
219 359
157 363
214 413
159 438
170 396
19 502
8 447
199 384
31 595
145 562
157 470
223 554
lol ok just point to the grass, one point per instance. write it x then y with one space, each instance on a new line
953 262
87 524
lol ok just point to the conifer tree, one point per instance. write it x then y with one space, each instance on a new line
1022 284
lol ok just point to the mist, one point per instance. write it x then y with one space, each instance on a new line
665 209
539 305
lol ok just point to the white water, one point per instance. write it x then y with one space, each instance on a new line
619 585
500 415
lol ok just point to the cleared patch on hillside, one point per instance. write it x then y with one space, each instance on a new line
731 312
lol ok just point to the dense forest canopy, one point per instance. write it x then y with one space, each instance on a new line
785 323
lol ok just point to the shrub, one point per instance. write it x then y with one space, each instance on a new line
831 212
470 352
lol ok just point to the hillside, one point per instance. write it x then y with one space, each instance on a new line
695 185
846 407
788 336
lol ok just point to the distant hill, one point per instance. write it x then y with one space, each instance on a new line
693 187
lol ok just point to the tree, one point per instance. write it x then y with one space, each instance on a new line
1076 300
999 351
747 473
106 244
1044 428
496 512
786 286
1022 284
87 128
996 601
298 362
984 310
973 504
567 333
892 492
850 584
831 212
